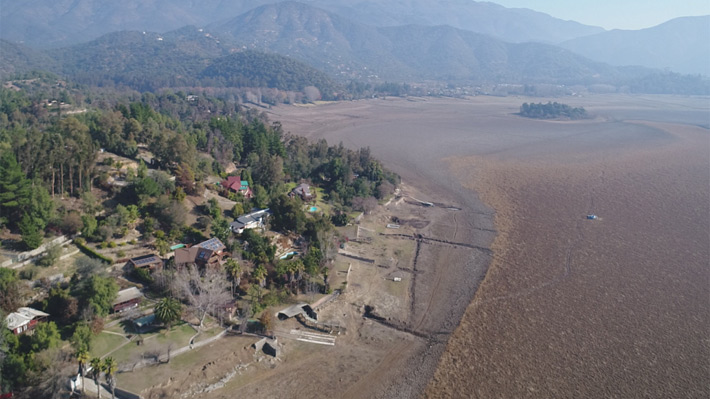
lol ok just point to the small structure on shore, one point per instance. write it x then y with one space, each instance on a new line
269 346
295 310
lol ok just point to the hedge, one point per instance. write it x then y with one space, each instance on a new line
90 252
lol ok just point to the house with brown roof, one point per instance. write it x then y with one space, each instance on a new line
237 185
302 191
24 319
206 253
127 299
150 262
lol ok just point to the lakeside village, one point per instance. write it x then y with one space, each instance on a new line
117 256
133 287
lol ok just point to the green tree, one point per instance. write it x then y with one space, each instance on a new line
99 293
89 226
168 310
237 210
162 246
288 214
81 339
220 229
31 235
11 296
61 305
45 336
41 207
15 189
261 196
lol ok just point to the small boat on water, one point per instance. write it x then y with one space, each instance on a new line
592 217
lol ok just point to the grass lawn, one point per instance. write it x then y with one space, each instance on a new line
322 205
160 340
179 335
209 333
104 342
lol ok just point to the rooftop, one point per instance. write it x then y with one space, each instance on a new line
22 316
127 295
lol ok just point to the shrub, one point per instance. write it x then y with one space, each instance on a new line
142 275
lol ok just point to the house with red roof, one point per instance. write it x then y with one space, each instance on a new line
206 253
237 185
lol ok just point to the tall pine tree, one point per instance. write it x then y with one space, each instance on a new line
15 190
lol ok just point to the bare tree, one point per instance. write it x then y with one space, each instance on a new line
366 205
204 292
57 367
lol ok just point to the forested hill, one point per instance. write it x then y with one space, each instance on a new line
16 58
188 57
256 69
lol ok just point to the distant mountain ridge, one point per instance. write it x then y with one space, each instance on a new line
681 44
348 49
55 23
300 37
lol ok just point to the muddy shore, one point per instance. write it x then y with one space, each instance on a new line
568 308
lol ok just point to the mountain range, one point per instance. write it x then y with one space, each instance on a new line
344 48
56 23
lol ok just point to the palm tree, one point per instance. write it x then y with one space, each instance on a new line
110 367
234 269
260 275
168 310
297 268
96 368
82 356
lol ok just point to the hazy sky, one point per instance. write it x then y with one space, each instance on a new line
615 14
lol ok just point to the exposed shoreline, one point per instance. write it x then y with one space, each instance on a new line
543 290
399 133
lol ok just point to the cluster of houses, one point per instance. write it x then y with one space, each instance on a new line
209 253
236 185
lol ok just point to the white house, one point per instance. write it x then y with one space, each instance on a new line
252 220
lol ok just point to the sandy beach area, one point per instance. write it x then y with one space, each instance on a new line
616 307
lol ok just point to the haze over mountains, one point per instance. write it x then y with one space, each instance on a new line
680 44
403 41
54 23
